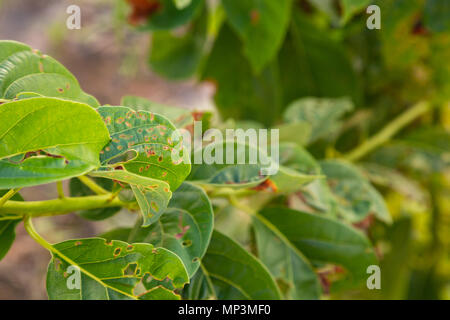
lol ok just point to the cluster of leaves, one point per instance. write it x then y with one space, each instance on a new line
267 58
52 131
298 234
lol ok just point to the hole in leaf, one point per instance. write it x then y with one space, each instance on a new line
187 243
130 270
117 251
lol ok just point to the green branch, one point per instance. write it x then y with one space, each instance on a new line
88 182
62 206
388 131
8 196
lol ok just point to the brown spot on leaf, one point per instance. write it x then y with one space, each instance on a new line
142 10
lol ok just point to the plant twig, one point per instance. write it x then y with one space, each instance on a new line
388 131
59 188
8 196
88 182
62 206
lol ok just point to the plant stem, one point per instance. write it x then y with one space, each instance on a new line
237 204
92 185
8 196
59 188
33 234
388 131
62 206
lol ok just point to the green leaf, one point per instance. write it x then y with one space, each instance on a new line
262 25
26 70
170 16
323 239
240 94
50 85
154 140
70 135
152 195
9 47
8 227
236 274
436 15
297 168
311 64
322 114
178 57
352 7
285 262
240 173
185 228
355 196
181 118
110 270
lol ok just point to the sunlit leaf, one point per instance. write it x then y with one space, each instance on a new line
45 139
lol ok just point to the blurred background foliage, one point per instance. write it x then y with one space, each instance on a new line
208 53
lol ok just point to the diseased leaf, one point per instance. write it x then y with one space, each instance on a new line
285 262
50 85
262 25
355 197
45 139
152 195
110 270
185 228
323 239
26 70
178 116
241 167
297 168
235 273
322 114
154 140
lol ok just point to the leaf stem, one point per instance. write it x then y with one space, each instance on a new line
388 131
8 196
33 234
59 188
239 205
62 206
88 182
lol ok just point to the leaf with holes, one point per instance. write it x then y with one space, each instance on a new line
152 195
181 118
322 114
156 145
355 197
110 270
230 164
45 139
26 70
185 228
